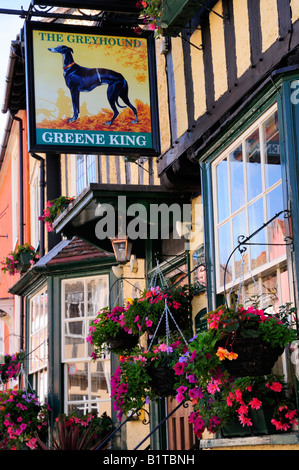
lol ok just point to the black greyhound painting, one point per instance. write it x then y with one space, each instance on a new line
79 79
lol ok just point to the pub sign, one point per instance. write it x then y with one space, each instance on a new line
91 91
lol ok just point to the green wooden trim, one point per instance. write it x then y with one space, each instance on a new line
288 114
256 107
208 215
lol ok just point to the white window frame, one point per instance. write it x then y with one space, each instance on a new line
85 171
269 265
87 404
40 371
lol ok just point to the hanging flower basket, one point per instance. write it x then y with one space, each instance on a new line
121 342
145 312
162 380
146 376
20 259
24 261
10 366
250 341
108 333
234 405
255 357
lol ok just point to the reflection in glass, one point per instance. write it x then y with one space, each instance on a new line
272 150
74 340
256 220
224 245
80 173
239 228
276 230
284 286
236 178
100 379
96 295
74 299
270 291
77 381
90 168
253 165
222 190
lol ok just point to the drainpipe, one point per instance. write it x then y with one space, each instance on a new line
21 225
42 201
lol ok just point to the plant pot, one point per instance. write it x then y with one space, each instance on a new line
261 425
255 357
24 261
162 380
122 342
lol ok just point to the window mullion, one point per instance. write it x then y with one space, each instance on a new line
244 151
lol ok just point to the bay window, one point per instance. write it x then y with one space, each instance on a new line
248 193
87 382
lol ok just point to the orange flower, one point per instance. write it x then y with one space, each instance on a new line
231 356
222 353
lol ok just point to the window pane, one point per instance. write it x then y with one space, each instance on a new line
224 247
253 166
77 381
284 286
80 173
256 220
237 179
33 355
239 228
222 190
100 380
97 294
91 169
74 340
276 230
272 150
270 291
74 299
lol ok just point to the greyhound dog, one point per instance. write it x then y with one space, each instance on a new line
79 79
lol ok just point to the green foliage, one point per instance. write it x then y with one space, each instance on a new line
12 261
74 433
276 329
146 311
10 367
108 324
131 384
21 418
53 209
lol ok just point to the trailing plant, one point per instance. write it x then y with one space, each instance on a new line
11 367
252 322
146 311
53 209
106 326
152 13
132 384
219 399
12 261
22 418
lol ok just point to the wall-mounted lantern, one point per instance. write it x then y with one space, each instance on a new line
122 248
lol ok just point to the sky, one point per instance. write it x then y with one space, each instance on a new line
10 26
